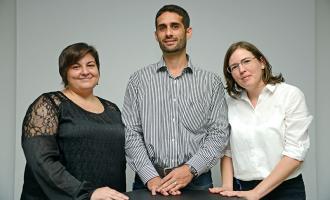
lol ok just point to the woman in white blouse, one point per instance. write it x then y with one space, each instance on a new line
269 121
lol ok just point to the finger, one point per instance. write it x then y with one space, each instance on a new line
153 190
176 190
117 195
172 187
166 178
120 196
163 192
161 187
216 189
229 193
166 184
240 193
166 189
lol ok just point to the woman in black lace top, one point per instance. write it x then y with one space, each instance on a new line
73 141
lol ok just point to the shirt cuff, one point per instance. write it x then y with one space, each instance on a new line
199 164
298 153
147 172
228 153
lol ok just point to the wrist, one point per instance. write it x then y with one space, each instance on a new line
257 193
152 182
192 170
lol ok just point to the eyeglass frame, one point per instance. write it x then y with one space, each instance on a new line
241 63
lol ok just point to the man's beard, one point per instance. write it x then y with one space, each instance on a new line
181 45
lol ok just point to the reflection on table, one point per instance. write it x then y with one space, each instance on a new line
186 195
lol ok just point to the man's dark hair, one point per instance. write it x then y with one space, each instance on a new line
175 9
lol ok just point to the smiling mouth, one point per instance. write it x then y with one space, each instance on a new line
85 79
169 41
245 78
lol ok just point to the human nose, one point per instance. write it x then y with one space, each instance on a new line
84 70
241 67
169 32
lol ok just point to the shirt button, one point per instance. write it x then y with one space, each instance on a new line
173 119
173 139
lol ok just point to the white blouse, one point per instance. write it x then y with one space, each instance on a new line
260 136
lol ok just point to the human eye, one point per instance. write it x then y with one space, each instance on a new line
91 65
233 67
246 61
175 26
75 66
161 28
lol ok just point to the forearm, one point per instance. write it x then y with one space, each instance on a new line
280 173
209 153
137 155
227 172
135 147
56 182
217 128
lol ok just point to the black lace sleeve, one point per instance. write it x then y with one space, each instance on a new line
41 118
110 105
42 154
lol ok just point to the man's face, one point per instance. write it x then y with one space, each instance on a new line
170 33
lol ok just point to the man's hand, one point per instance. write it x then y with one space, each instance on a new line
153 184
179 178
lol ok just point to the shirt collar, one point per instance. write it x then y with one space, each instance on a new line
268 88
161 65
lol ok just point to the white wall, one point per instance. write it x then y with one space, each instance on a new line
122 31
7 96
322 97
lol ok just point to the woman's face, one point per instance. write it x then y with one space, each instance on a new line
83 75
246 69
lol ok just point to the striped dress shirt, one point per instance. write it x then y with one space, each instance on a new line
173 121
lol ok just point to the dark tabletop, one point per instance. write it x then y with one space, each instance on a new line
186 195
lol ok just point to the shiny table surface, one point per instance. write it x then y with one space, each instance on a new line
186 195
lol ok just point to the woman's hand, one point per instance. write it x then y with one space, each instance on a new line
249 195
106 193
228 191
218 190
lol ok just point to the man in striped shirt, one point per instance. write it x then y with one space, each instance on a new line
175 115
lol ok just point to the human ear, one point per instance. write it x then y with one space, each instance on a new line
189 32
156 36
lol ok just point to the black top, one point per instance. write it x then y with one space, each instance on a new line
69 151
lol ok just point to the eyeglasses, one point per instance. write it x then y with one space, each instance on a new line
244 62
